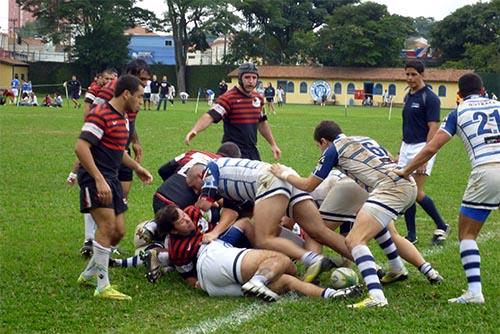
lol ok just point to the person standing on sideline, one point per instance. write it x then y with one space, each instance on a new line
222 88
14 87
101 150
421 112
477 122
164 89
74 88
147 95
241 110
155 91
171 94
281 96
269 94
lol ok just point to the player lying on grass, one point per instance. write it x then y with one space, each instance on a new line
222 269
369 164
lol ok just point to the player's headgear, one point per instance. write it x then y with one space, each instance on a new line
246 68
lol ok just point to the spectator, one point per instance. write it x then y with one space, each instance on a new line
47 101
163 93
269 93
74 89
184 96
222 87
281 96
210 96
155 90
14 84
58 101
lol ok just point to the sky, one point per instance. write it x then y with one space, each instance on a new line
438 9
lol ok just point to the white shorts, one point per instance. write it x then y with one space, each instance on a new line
15 91
269 185
343 201
388 200
408 151
155 97
219 269
483 188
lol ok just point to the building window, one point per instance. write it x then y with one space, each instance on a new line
290 87
168 43
377 89
442 91
337 88
392 89
22 76
303 87
350 88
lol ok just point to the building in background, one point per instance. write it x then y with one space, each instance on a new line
153 48
9 68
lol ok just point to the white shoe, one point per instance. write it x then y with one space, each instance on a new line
260 290
468 298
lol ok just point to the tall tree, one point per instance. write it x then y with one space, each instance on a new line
365 35
477 24
189 21
97 27
281 27
423 26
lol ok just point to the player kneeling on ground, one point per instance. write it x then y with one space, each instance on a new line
221 269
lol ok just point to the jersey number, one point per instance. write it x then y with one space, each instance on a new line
484 120
377 150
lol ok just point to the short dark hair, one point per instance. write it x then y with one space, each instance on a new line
417 65
469 84
127 82
328 130
165 219
229 150
136 66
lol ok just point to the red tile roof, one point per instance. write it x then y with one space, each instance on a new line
353 73
10 61
139 31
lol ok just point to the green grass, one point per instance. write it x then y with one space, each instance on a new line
41 232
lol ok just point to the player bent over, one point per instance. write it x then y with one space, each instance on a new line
477 122
369 164
221 269
101 151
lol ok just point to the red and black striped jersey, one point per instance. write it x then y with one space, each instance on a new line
92 92
108 131
241 114
183 249
106 93
181 163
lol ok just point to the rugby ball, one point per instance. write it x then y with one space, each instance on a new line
343 278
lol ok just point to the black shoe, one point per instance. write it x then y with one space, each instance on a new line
412 240
87 249
439 236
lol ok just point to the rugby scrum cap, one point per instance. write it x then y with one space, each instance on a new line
247 68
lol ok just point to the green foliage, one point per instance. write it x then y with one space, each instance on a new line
465 28
365 35
423 26
41 231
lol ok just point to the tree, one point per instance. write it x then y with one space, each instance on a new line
477 24
97 27
423 26
277 30
189 21
365 35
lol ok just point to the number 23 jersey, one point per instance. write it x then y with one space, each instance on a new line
477 122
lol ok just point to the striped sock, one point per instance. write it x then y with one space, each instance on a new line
309 258
101 258
427 270
366 264
389 248
132 261
471 261
327 293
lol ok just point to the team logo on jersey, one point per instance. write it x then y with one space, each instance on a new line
415 105
256 102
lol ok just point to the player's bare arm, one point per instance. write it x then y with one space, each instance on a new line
289 175
203 122
83 153
265 131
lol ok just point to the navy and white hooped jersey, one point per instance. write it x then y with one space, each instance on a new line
232 178
360 158
477 123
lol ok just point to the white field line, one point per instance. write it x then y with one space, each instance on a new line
248 313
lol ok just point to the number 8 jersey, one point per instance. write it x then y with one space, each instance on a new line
477 123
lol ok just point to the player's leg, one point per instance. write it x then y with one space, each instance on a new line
410 253
469 225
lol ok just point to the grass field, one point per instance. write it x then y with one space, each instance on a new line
41 232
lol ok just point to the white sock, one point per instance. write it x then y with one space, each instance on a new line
101 257
471 261
164 259
90 226
310 257
90 269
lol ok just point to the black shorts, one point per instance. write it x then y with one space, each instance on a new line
249 153
125 174
75 95
90 200
174 191
147 96
270 99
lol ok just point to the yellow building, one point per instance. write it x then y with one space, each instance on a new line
303 83
9 68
